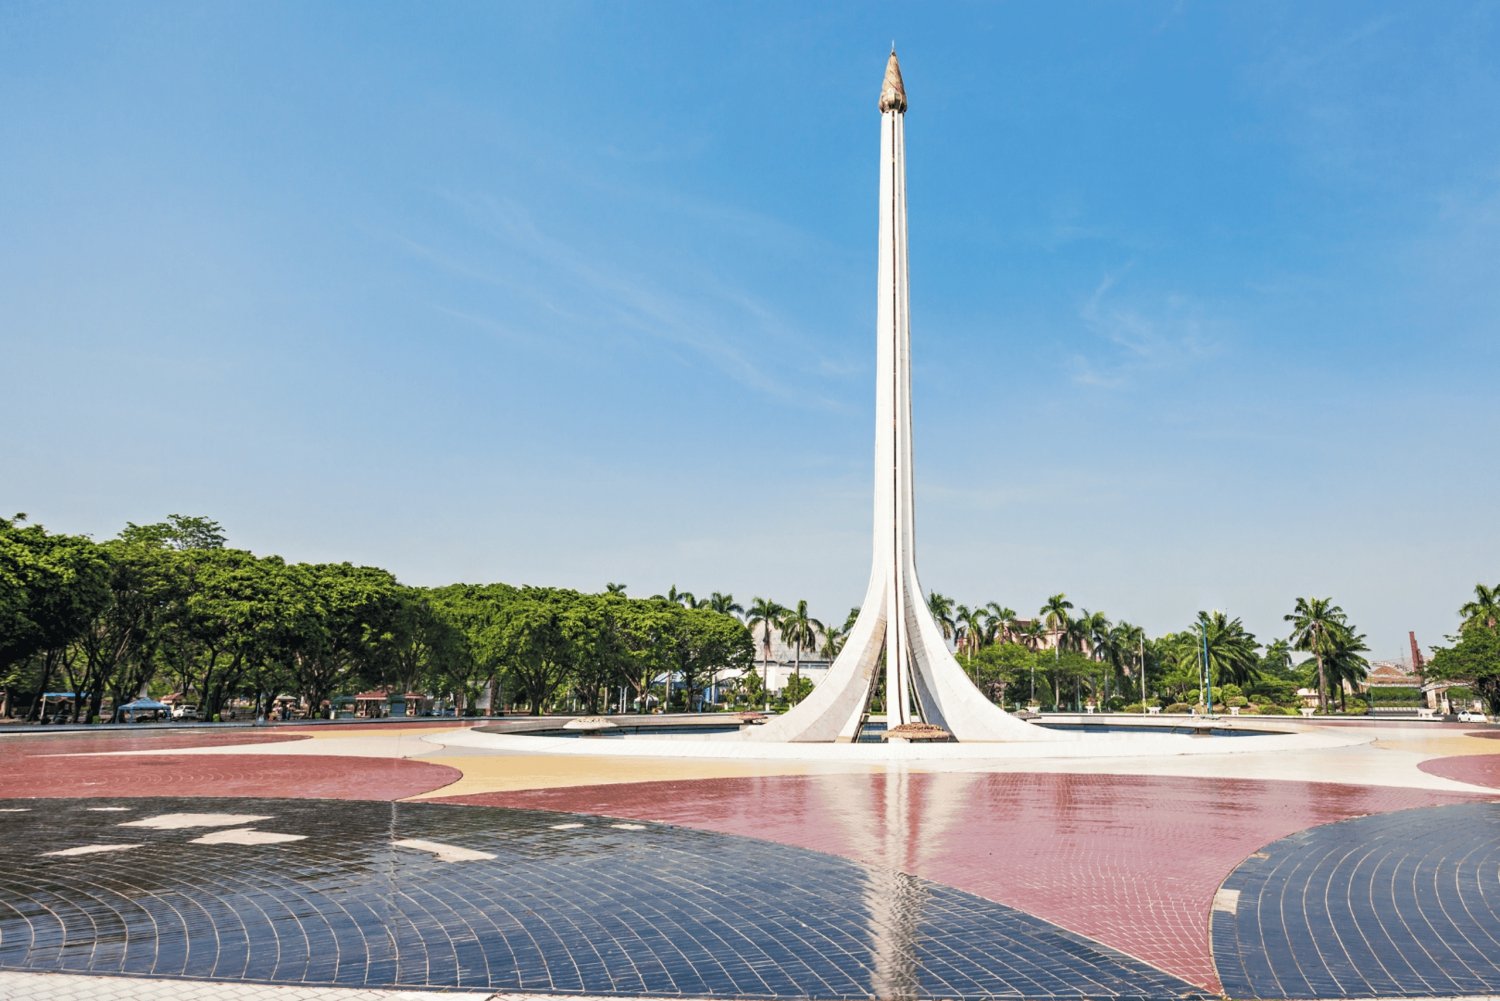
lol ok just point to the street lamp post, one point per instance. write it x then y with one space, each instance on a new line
1205 677
1141 654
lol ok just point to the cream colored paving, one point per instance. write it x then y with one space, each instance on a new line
1361 755
512 772
375 742
1365 755
1439 743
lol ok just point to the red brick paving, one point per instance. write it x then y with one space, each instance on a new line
33 743
38 766
1487 734
1478 769
373 727
1130 861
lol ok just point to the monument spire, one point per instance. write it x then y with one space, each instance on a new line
922 680
893 91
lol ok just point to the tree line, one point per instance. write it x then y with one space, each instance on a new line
170 606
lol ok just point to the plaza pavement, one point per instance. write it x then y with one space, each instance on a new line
1127 859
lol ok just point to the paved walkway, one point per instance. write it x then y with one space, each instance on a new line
1110 867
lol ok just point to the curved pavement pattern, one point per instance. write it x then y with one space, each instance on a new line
1131 861
56 765
1476 769
1404 904
419 895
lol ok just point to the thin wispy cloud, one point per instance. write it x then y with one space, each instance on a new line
595 296
1133 338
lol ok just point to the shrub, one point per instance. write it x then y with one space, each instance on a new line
1396 695
1177 707
218 718
1357 710
1238 700
1134 707
1273 711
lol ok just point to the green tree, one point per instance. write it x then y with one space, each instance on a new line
1231 651
1474 658
332 614
179 531
1054 613
1313 621
676 597
52 587
1276 660
833 642
766 614
1345 663
795 691
1484 610
972 629
941 607
1002 620
998 666
724 604
705 643
801 630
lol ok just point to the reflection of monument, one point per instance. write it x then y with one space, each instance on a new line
891 827
922 680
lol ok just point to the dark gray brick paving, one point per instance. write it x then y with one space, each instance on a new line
1403 904
661 911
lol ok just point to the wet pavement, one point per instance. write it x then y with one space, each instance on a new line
417 895
1401 905
526 873
1129 861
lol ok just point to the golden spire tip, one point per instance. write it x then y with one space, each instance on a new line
893 91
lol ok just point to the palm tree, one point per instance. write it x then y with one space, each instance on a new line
613 588
941 608
1484 610
833 642
1347 668
973 628
1230 650
799 629
1001 620
1055 614
1078 633
1029 634
684 598
1127 652
724 604
1277 657
1312 620
767 614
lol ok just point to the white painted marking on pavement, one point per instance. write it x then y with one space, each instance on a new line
177 821
91 849
247 836
1227 901
444 853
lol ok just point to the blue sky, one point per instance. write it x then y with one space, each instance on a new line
1204 297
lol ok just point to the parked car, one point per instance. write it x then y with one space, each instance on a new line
185 714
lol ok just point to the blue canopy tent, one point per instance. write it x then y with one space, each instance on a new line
143 705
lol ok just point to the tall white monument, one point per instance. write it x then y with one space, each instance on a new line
923 683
